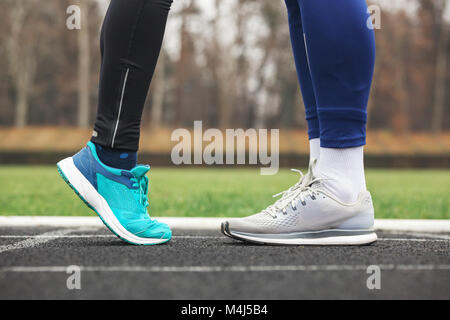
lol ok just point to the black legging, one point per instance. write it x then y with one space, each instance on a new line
131 39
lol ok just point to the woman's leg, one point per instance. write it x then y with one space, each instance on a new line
329 205
131 39
341 51
304 76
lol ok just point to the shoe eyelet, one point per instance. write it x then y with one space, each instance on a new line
303 203
313 197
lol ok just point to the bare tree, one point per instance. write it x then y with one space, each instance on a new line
183 64
22 64
157 90
440 71
241 69
222 92
267 100
402 116
84 66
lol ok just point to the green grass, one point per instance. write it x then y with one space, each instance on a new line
414 194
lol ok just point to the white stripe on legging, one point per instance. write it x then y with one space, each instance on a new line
120 107
307 55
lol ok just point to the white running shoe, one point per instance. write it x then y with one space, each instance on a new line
306 214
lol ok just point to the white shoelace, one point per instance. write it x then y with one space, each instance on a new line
299 191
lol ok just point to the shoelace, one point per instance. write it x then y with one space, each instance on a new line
142 184
299 191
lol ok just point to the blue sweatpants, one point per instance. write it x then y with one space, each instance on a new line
334 51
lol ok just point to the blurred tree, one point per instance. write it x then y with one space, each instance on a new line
222 92
157 90
400 120
228 63
441 67
84 67
185 62
21 58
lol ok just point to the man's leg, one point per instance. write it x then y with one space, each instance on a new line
304 76
104 173
330 205
341 50
131 39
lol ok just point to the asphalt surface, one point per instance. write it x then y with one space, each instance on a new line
207 265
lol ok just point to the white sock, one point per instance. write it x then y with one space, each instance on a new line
344 171
314 149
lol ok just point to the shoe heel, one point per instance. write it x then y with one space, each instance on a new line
364 220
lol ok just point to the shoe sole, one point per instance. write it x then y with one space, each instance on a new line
331 237
83 188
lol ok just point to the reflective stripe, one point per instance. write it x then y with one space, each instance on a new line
307 55
120 107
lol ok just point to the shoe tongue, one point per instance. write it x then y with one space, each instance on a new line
312 174
312 166
140 171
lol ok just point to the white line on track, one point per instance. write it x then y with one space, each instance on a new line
202 223
433 238
203 269
34 241
428 235
414 239
68 236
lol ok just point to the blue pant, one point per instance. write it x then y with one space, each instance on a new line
334 52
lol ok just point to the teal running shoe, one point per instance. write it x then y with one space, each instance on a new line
119 197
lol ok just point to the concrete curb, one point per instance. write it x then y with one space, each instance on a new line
198 223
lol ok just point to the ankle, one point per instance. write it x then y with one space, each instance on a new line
314 149
116 158
343 171
339 187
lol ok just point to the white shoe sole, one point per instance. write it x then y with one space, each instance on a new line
87 192
315 238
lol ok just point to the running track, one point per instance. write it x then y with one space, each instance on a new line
206 265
